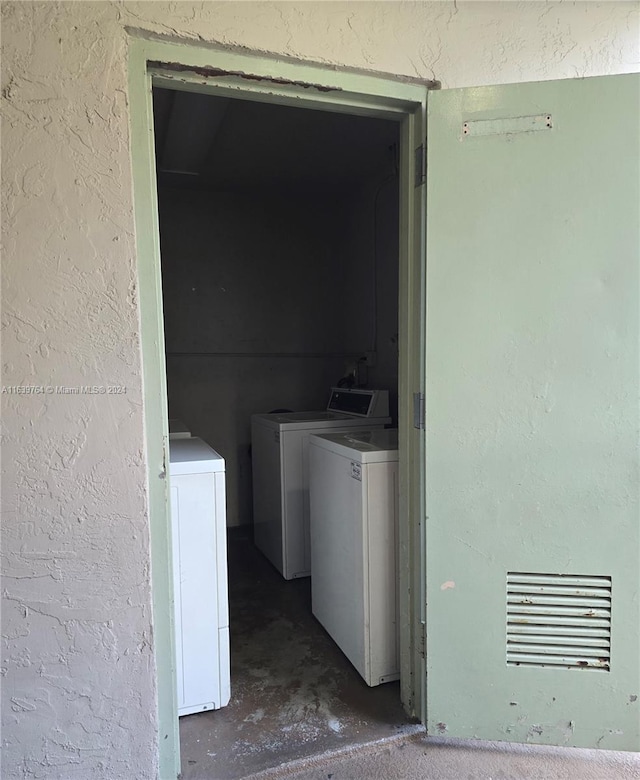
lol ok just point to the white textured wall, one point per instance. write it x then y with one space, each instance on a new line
77 659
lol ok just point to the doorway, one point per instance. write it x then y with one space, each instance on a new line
230 74
279 235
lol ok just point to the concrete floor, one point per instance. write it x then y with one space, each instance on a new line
422 758
293 693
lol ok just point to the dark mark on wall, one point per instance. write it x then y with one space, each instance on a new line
219 72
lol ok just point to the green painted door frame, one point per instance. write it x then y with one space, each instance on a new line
230 74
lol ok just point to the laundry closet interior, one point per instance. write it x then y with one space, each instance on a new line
279 250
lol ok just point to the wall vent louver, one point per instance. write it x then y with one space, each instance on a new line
558 621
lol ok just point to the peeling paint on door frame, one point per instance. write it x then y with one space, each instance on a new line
215 73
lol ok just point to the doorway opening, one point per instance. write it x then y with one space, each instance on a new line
279 235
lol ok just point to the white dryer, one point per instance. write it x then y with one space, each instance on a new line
198 525
354 521
280 448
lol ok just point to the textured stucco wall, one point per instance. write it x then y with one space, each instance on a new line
77 658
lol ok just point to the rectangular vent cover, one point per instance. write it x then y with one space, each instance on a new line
558 621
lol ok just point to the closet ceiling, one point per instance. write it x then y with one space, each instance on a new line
212 143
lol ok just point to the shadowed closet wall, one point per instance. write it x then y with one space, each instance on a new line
268 301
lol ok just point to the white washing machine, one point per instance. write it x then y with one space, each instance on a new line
199 537
353 486
280 444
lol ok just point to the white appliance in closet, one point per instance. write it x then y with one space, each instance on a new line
280 445
198 523
353 486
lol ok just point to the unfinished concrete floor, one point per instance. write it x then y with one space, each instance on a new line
293 693
422 758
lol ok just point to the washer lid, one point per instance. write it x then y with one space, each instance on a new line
193 456
300 421
375 446
286 417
